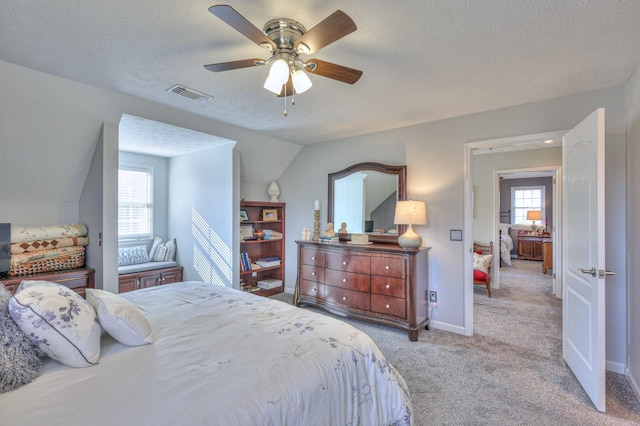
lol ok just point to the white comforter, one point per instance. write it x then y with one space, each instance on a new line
506 245
221 357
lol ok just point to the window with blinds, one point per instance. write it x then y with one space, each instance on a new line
135 204
524 199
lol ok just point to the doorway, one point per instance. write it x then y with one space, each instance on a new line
482 192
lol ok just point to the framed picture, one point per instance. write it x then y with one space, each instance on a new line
269 215
244 216
247 232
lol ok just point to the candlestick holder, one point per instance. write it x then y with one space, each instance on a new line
316 225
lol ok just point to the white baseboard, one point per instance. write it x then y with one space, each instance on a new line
616 367
634 384
446 327
289 290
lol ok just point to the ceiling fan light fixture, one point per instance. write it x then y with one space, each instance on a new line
279 71
301 81
273 84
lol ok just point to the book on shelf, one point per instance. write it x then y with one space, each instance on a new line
270 234
329 240
268 263
245 262
269 283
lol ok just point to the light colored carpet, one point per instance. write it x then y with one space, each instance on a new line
510 372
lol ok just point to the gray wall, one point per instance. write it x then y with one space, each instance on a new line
433 153
633 239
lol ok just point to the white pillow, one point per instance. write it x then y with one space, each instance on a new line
504 227
120 318
482 262
58 321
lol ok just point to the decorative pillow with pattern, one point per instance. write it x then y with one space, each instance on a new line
19 361
132 255
163 252
482 262
58 321
120 318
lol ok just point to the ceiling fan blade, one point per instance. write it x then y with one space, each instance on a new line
334 27
242 25
334 71
289 87
233 65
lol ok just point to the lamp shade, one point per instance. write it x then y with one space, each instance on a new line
411 213
301 81
278 75
534 215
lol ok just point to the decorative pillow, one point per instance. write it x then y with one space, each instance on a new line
19 361
58 321
132 255
504 227
479 275
482 262
154 247
164 252
120 318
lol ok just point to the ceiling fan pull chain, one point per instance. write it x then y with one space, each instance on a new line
285 113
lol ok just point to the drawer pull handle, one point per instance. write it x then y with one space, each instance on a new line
313 273
344 263
386 267
315 289
344 280
313 258
344 297
388 306
388 286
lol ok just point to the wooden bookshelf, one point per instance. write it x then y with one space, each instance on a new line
257 212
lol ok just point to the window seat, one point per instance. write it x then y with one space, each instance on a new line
143 267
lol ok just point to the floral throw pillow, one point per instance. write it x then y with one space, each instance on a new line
58 321
482 262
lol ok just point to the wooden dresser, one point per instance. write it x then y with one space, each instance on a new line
77 280
380 283
536 247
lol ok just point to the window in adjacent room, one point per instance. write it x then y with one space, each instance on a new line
135 203
524 198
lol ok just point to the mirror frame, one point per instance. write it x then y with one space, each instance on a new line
399 171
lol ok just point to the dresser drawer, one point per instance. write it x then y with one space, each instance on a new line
348 280
311 256
349 262
312 273
311 289
387 305
388 286
348 298
387 266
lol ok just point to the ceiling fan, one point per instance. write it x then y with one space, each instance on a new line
287 39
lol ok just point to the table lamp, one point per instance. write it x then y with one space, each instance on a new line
410 213
534 215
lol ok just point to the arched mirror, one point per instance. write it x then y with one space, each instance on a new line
364 197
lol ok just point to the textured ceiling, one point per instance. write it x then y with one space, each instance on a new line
422 60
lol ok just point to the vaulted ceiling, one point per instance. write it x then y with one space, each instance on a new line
422 60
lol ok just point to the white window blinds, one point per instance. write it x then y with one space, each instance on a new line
134 203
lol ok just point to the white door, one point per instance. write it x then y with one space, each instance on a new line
583 254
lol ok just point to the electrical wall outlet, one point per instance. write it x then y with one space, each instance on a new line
433 296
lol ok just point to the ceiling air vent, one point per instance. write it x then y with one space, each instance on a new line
189 93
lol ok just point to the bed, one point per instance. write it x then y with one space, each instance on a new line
221 357
506 244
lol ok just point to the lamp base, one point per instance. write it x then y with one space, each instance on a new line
410 239
534 227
